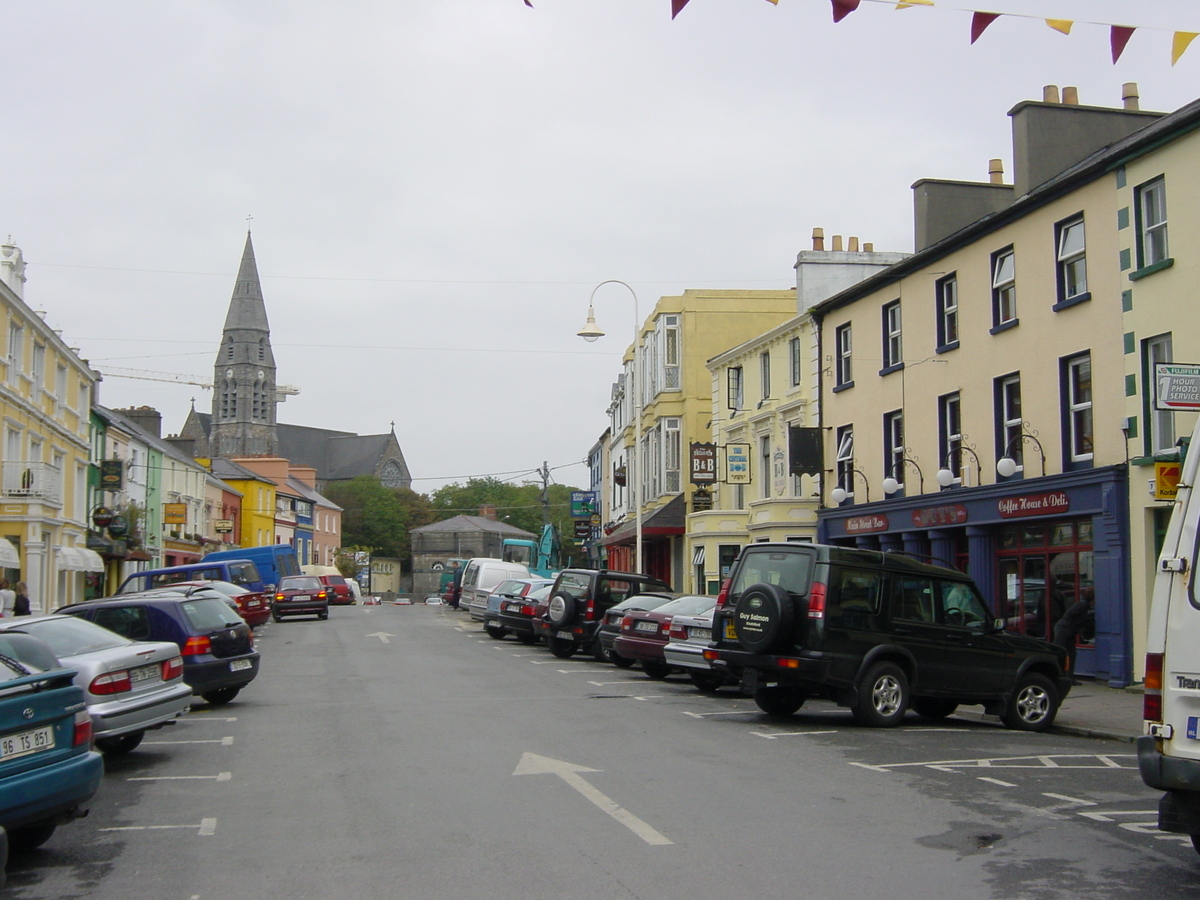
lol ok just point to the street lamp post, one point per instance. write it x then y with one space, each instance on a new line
591 332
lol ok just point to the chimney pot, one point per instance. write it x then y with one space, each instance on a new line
853 246
1129 95
1050 94
818 238
837 242
868 247
996 171
1070 96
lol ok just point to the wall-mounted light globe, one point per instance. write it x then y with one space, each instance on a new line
890 485
838 495
945 477
1007 466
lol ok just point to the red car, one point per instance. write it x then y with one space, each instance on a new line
338 589
252 606
644 632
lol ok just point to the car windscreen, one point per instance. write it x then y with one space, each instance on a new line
300 583
243 573
71 636
689 606
209 615
791 570
24 654
643 601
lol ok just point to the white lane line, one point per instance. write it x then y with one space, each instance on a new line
650 697
195 717
222 776
1073 801
206 827
224 742
607 683
996 781
744 712
1109 816
771 735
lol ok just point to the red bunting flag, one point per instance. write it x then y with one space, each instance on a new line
677 7
979 22
1119 38
843 8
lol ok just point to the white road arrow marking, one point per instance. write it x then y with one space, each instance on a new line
383 636
532 764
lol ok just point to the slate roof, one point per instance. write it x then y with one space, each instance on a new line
475 523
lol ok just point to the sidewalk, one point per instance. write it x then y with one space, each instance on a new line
1093 709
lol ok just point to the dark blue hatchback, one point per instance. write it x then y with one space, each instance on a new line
219 658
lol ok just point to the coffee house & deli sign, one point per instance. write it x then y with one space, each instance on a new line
1051 504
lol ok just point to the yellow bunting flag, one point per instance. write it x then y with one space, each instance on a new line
905 4
1180 43
1063 25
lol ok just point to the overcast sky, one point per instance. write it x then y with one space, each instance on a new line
437 185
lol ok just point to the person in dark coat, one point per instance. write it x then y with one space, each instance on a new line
1070 623
21 604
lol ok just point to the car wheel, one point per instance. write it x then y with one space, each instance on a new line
31 836
763 617
561 609
934 707
656 669
323 616
779 701
599 653
561 648
1033 705
221 695
495 632
123 743
707 681
622 662
882 696
526 638
277 617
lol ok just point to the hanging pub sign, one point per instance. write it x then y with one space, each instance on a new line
223 526
174 513
583 529
101 516
583 504
704 463
620 478
118 527
737 463
701 500
112 474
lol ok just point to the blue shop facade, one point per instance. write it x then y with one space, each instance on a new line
1033 545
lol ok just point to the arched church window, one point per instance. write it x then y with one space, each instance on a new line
391 476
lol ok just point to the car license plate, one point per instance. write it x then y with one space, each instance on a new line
238 664
26 742
646 626
730 634
700 634
144 673
254 603
301 597
565 635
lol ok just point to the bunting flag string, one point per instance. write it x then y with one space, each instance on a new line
1119 35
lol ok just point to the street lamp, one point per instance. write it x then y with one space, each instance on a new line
951 471
591 332
839 494
1007 464
891 484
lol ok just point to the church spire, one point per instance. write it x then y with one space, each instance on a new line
247 308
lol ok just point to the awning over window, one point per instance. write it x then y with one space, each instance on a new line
9 559
78 559
91 560
665 521
698 556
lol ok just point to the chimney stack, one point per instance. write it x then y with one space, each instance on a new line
488 511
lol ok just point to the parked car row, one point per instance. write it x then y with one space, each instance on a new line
877 632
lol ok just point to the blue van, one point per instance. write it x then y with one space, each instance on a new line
241 572
273 561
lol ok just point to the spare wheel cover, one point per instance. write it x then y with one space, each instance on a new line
763 617
562 608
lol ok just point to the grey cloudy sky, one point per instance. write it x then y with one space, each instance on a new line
437 185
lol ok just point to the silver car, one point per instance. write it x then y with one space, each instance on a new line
688 638
130 686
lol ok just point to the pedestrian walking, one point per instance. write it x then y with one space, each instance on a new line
21 604
1070 623
8 598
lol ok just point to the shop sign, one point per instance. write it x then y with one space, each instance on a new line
112 474
583 529
938 516
737 463
583 504
223 526
866 524
1052 504
1177 386
174 513
701 500
1166 480
704 463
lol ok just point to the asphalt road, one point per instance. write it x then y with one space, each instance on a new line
398 752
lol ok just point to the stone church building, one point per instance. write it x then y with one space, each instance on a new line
243 420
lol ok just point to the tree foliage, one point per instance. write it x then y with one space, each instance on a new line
378 517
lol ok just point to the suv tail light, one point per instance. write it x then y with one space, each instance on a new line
172 668
816 601
195 646
111 683
590 610
1152 710
724 594
83 729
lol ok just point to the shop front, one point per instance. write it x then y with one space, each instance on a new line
662 533
1034 546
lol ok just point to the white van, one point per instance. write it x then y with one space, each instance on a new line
480 577
1169 752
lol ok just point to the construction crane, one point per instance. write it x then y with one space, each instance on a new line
282 391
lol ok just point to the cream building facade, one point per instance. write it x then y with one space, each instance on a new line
45 401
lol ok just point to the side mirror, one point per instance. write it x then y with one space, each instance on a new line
997 624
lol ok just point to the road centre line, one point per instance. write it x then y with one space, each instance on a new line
205 828
222 776
224 742
996 781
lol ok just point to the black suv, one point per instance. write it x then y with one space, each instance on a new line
877 632
578 602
